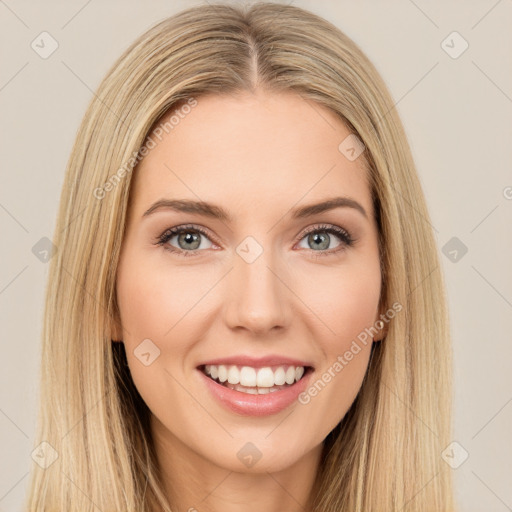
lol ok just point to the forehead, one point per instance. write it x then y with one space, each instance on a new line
251 151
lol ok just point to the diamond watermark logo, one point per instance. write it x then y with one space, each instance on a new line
44 249
44 45
454 249
351 147
44 455
249 249
454 45
454 455
146 352
249 455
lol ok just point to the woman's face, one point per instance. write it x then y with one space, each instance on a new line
253 275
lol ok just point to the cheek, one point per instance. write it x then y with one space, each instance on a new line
149 308
152 300
163 307
343 301
355 306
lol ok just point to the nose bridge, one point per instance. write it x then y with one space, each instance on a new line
257 296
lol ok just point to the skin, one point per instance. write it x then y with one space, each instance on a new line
258 156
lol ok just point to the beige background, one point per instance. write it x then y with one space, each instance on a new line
457 114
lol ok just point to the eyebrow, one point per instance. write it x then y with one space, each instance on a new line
217 212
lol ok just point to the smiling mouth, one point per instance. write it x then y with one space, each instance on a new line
255 381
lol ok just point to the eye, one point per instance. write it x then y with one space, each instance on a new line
188 240
319 239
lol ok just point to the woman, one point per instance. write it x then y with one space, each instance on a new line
246 309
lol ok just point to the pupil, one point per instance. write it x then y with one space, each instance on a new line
190 238
318 242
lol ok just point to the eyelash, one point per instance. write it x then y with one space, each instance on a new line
346 238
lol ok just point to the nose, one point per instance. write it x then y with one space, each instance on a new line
257 298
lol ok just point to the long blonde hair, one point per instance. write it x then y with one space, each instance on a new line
385 455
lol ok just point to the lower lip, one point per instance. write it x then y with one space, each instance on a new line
256 405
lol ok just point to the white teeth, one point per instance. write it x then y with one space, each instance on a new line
223 373
290 375
279 376
248 376
233 375
263 378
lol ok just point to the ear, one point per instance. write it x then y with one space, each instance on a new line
381 324
116 328
382 334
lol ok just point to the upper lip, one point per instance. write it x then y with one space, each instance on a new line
257 362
